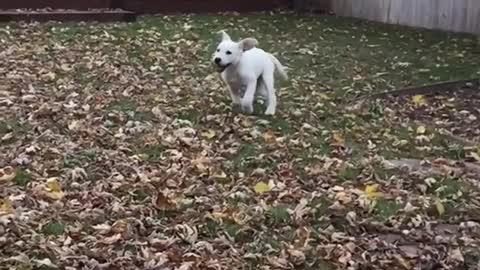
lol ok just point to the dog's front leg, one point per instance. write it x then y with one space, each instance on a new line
234 94
247 101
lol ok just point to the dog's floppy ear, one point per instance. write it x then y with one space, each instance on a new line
225 36
248 43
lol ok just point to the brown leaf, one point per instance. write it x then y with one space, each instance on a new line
163 203
410 251
7 174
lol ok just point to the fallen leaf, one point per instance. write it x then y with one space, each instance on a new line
219 174
162 202
269 137
120 226
261 187
201 163
475 156
45 262
419 100
7 136
411 251
456 255
187 233
439 206
7 174
324 96
209 134
421 130
6 207
297 257
372 193
112 239
404 263
53 189
338 139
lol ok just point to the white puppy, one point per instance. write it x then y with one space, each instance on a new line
245 67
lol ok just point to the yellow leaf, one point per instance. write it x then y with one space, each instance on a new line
53 185
120 226
219 174
419 100
338 139
152 54
158 98
5 207
421 130
261 187
324 96
7 174
475 156
162 202
371 192
54 189
201 163
440 207
208 134
269 137
218 216
371 188
143 156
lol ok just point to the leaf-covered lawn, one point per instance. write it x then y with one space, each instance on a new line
119 149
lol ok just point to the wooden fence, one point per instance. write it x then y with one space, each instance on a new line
149 6
451 15
122 10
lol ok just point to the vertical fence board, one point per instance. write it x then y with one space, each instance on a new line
452 15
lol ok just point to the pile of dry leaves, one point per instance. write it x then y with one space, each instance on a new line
119 150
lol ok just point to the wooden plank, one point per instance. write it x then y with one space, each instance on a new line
452 15
68 15
200 6
55 4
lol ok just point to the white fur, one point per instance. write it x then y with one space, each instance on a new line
246 67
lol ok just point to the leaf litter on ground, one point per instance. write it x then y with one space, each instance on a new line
119 148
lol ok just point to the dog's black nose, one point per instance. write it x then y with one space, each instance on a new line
218 60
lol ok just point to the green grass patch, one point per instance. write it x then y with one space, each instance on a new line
348 173
22 178
5 127
53 228
140 195
384 209
244 154
14 127
211 228
130 248
79 158
448 188
278 215
151 152
191 115
130 108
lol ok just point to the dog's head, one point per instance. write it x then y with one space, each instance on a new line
229 52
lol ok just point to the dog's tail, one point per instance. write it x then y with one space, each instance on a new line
281 69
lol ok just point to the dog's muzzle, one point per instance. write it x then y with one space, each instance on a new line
221 68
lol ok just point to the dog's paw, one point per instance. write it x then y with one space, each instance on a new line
236 108
247 107
235 104
270 111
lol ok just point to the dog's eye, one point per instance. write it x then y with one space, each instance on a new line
228 52
218 50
